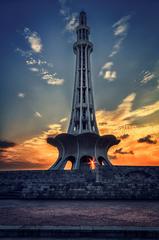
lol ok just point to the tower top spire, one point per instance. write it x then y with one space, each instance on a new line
83 18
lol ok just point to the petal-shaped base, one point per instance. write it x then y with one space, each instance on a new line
80 149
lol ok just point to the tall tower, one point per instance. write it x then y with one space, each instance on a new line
82 143
83 114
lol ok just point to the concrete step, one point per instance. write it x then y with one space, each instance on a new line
84 232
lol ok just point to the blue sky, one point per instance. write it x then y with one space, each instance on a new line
37 63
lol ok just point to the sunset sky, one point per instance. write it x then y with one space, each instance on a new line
37 76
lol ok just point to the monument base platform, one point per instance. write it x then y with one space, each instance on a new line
80 150
106 183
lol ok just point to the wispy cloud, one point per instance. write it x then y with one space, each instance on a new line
120 151
34 69
63 120
34 40
71 23
112 157
121 26
23 53
21 95
147 76
37 114
124 136
110 75
116 47
6 144
148 139
51 78
120 29
152 75
106 66
107 71
36 62
33 61
70 18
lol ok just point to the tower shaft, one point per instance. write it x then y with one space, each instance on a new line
83 114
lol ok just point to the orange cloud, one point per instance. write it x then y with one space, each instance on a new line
120 122
34 153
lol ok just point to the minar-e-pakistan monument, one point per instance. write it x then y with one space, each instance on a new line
82 145
82 149
82 142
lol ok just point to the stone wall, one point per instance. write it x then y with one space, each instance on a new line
109 183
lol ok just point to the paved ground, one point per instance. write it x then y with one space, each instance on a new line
75 213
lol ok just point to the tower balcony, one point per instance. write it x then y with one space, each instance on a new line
80 43
80 27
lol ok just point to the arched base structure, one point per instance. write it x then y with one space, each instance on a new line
81 149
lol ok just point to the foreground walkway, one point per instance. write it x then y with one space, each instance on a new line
79 213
